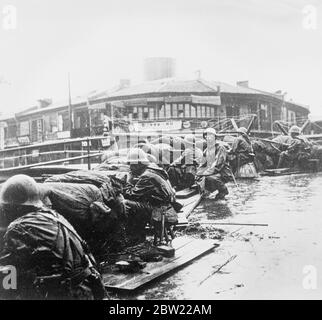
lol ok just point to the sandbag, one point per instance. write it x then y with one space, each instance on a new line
74 202
96 178
83 206
110 186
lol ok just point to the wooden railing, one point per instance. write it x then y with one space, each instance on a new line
52 152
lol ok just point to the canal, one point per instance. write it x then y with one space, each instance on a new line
278 261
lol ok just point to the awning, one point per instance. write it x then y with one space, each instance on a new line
155 99
143 102
178 99
136 102
213 100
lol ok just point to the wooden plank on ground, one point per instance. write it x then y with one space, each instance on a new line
188 250
282 172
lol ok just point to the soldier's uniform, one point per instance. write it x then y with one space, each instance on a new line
297 153
183 170
242 148
214 171
51 259
150 196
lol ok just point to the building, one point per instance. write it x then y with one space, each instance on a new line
199 103
163 104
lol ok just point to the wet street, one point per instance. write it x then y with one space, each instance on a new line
282 260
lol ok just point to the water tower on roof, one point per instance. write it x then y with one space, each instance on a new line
159 68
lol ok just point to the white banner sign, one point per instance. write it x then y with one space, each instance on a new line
158 125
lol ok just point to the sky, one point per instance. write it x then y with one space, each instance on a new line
274 44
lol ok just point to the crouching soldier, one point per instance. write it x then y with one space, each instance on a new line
149 198
298 152
183 170
242 148
214 172
51 259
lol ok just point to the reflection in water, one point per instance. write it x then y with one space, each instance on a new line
293 193
275 196
216 210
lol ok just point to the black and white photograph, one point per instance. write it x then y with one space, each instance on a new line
160 150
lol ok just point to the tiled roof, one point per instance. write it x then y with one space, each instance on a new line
228 88
169 85
173 85
164 85
185 86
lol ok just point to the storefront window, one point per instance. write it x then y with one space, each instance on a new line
174 110
151 113
135 113
97 118
80 119
203 112
264 112
187 110
145 113
168 110
198 111
161 112
24 128
193 111
11 131
140 113
291 117
180 111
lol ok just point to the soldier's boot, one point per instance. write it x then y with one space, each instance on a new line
222 192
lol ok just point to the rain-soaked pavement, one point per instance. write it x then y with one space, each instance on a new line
282 260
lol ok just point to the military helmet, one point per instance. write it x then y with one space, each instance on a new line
295 129
242 130
20 190
211 131
136 156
